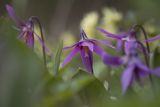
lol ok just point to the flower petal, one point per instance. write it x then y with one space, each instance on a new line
70 56
29 38
13 15
87 59
99 51
88 44
118 37
156 71
112 60
152 39
67 47
127 78
107 43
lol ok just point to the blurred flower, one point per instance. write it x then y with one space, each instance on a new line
26 28
89 23
126 40
135 69
86 47
110 19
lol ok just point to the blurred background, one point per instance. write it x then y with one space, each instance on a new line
58 16
25 82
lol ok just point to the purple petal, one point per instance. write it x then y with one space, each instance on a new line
127 78
156 71
112 60
99 51
152 39
67 47
118 37
70 56
119 45
88 44
29 38
87 59
13 15
107 43
144 70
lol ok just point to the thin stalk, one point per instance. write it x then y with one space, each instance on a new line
147 56
34 18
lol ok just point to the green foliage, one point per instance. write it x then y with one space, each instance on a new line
57 58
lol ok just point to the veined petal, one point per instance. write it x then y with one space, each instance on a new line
127 78
70 56
118 37
152 39
13 15
87 59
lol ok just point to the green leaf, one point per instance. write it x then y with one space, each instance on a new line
57 58
20 71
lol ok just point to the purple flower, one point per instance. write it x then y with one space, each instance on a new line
85 47
135 70
26 28
124 40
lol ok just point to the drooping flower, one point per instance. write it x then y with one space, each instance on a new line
26 29
135 70
85 47
125 40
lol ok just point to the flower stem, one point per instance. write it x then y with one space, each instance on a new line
34 18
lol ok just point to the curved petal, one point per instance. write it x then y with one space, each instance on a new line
105 42
87 59
89 44
118 37
152 39
127 78
67 47
99 51
70 56
13 15
142 69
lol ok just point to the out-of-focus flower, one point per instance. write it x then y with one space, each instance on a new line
110 19
125 40
86 47
135 69
27 32
89 23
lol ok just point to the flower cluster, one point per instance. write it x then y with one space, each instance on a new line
127 42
